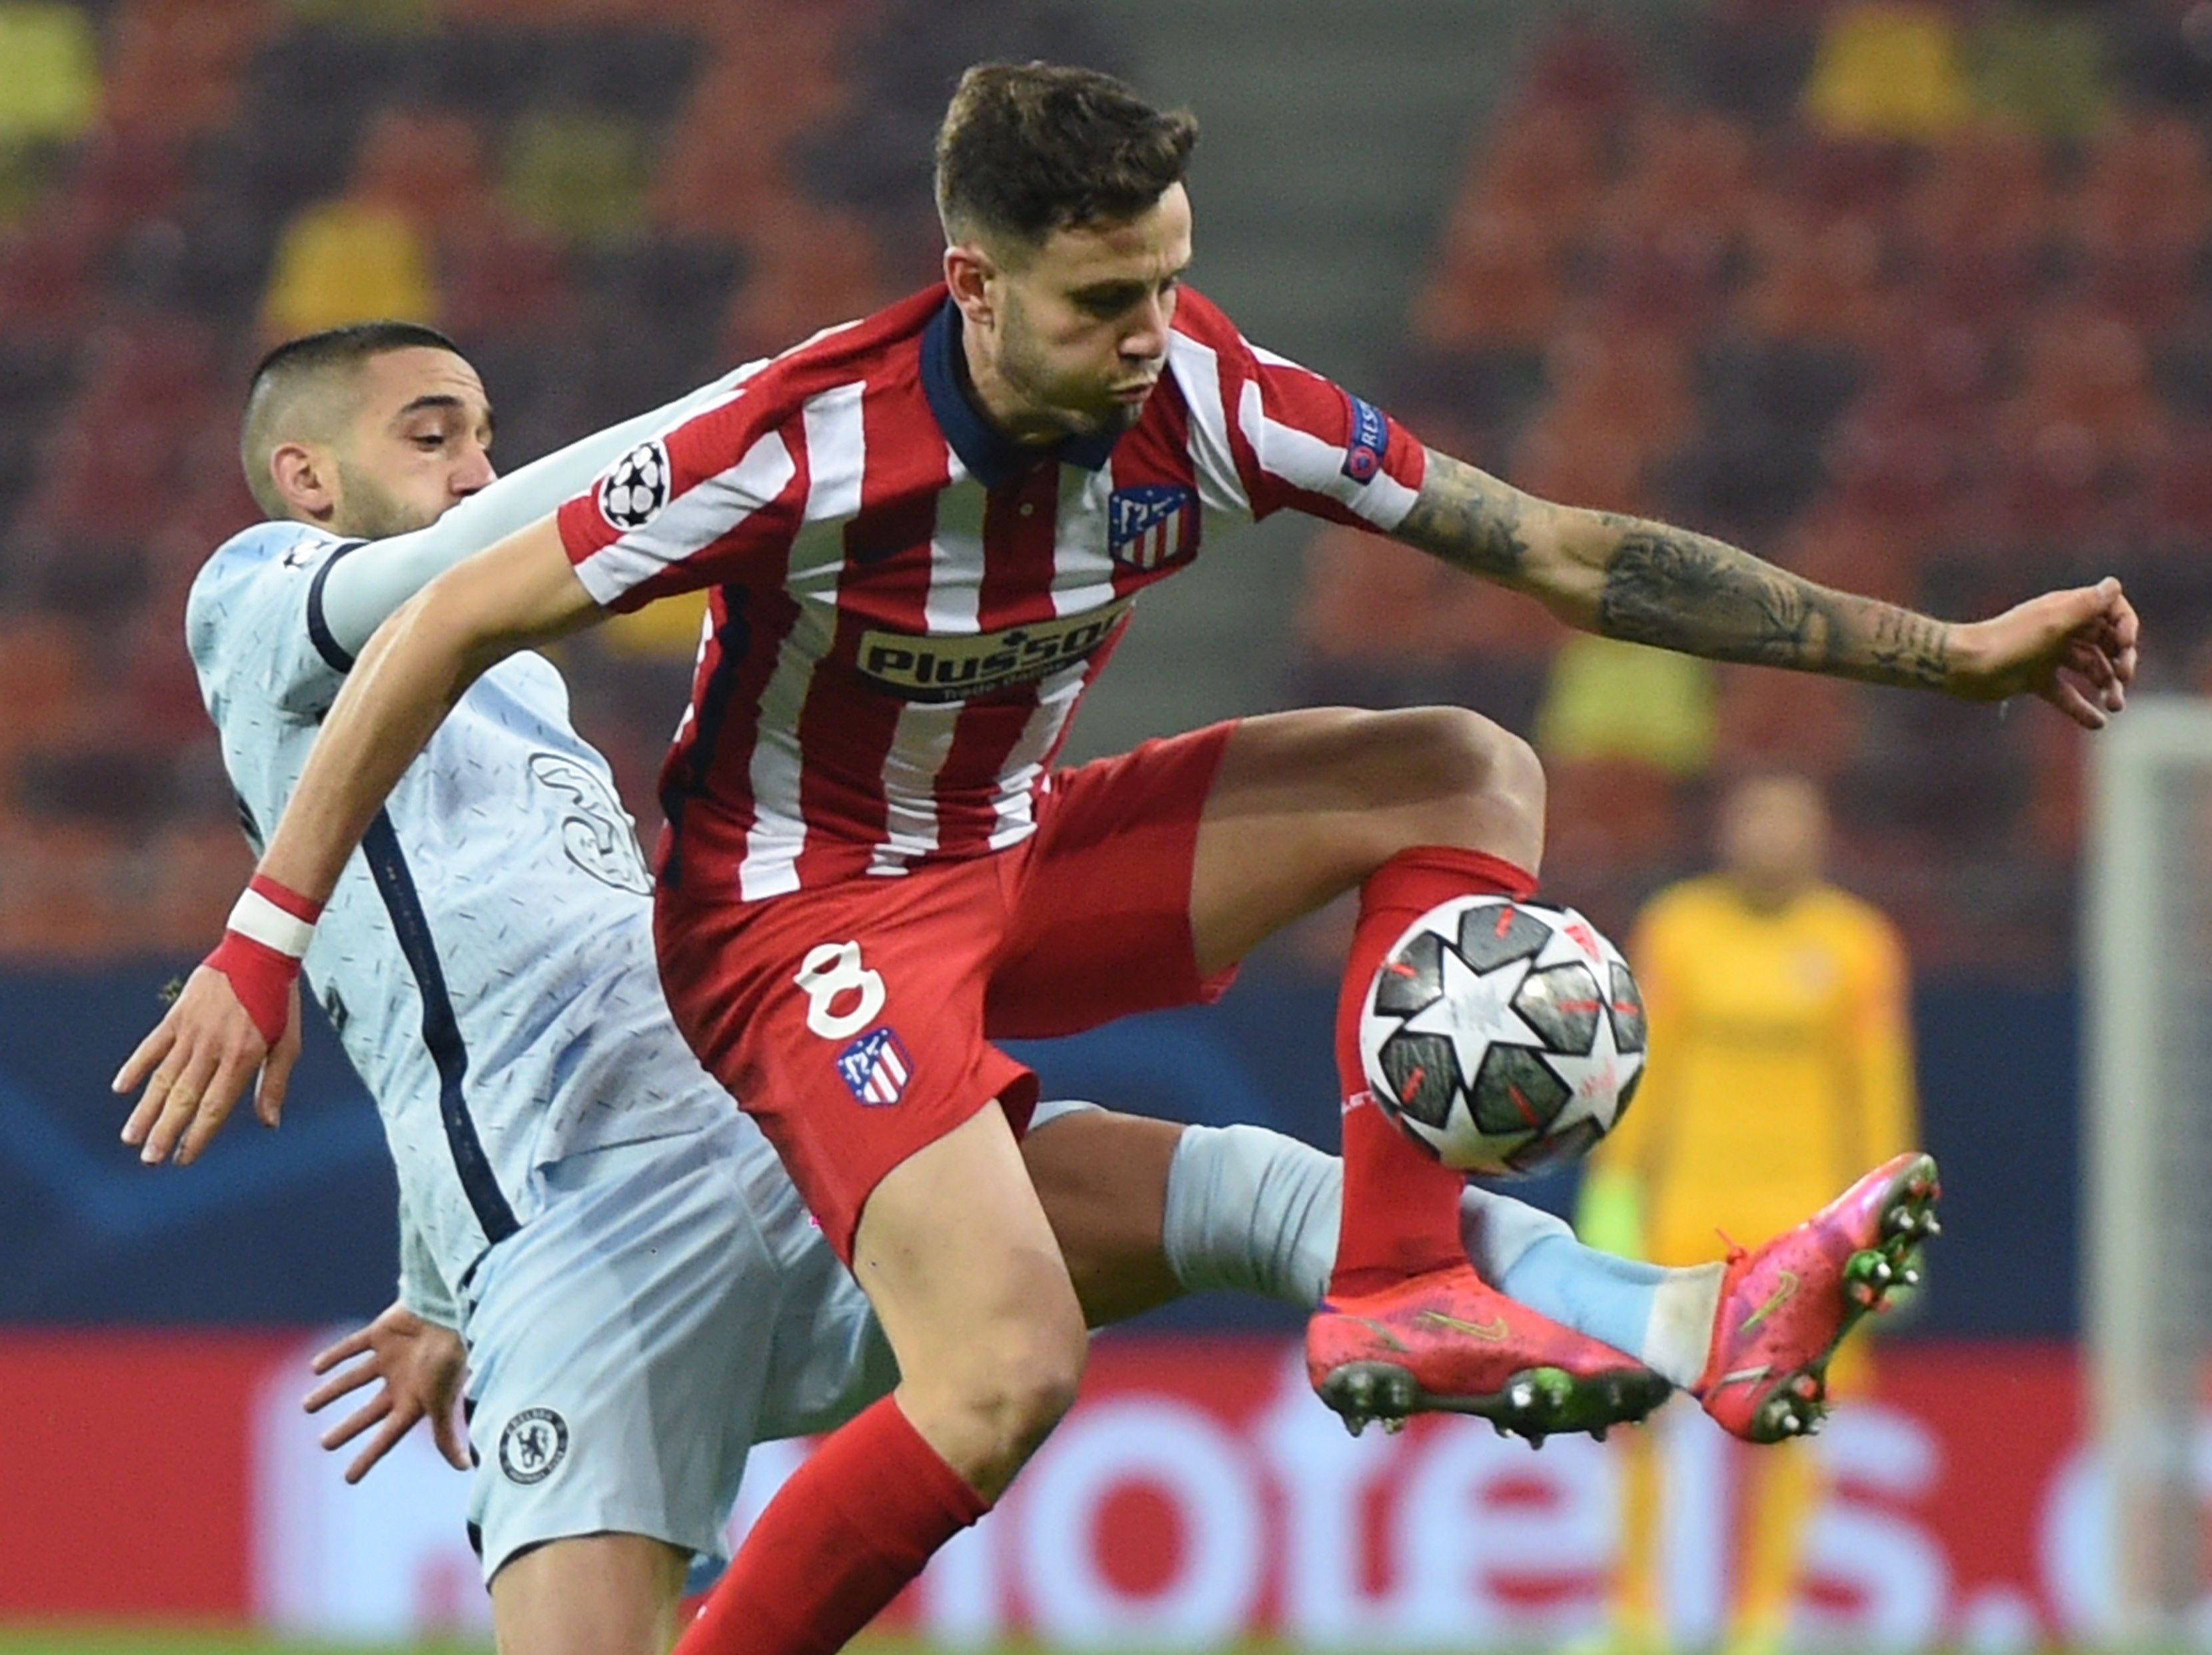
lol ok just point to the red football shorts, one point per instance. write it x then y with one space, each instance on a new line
855 1022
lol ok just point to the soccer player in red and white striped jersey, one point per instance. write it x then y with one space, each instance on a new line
923 532
908 604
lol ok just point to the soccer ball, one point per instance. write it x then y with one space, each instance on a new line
1505 1036
637 488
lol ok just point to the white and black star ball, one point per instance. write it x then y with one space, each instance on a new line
632 494
1505 1036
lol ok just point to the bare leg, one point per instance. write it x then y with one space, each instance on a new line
956 1256
1306 805
959 1264
1102 1178
1415 808
602 1594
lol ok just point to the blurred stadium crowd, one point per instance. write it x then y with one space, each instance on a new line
1911 296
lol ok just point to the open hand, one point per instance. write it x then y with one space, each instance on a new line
2076 648
419 1363
200 1058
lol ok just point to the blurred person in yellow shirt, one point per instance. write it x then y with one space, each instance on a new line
1781 1062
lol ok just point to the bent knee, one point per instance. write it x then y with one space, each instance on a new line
1024 1388
1476 757
1464 779
1011 1388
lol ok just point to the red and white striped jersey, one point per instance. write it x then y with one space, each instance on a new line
906 607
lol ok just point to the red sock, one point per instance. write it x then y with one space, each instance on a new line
1401 1204
836 1544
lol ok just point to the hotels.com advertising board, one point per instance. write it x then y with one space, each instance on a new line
1197 1493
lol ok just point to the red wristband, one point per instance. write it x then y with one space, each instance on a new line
286 901
260 953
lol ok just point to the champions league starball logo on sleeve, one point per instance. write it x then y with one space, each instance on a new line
632 493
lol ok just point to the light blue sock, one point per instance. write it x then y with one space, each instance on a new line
1252 1210
1607 1298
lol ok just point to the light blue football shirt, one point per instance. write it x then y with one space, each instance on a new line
487 956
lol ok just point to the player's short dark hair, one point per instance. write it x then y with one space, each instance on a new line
281 377
354 343
1028 148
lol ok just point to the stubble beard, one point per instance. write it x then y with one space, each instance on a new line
1024 370
371 511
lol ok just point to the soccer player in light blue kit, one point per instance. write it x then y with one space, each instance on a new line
641 1291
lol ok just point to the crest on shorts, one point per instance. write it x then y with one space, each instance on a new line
876 1069
1152 525
534 1445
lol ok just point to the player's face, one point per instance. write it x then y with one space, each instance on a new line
419 443
1774 834
1074 335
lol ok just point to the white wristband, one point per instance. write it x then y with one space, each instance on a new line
256 917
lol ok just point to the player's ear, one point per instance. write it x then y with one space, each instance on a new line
968 272
306 478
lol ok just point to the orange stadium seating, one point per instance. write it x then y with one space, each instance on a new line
1908 294
601 199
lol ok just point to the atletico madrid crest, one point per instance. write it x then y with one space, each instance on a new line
1152 525
876 1067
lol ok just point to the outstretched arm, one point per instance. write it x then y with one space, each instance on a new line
1646 582
194 1064
364 588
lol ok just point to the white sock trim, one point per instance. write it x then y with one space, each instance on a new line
1680 1336
1059 1108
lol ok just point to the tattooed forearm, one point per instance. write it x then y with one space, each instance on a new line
1470 521
1688 591
1630 578
1681 591
1910 648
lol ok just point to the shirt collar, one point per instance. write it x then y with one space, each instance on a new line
991 457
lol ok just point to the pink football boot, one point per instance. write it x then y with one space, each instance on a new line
1445 1343
1785 1307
